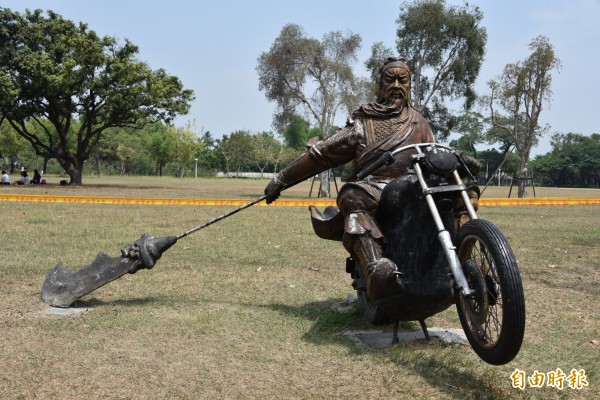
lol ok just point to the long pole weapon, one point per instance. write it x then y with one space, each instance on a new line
62 287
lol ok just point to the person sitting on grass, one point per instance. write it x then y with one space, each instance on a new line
36 177
5 178
24 180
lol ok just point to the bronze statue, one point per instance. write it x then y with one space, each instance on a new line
375 128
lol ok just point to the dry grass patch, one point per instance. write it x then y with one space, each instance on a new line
242 309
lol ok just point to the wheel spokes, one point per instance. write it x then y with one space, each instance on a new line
488 333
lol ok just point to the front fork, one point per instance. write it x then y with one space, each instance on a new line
443 234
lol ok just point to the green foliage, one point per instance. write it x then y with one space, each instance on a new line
573 161
12 146
185 147
265 149
161 148
471 128
72 85
297 133
492 160
237 149
446 39
209 158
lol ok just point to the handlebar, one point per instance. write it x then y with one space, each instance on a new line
386 159
418 147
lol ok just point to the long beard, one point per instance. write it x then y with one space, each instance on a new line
389 100
386 105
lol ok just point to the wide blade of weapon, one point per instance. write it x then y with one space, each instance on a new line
63 287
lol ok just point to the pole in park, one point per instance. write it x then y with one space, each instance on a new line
196 169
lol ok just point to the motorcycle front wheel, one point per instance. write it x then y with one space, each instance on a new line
493 318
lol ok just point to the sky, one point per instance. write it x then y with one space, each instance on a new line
212 46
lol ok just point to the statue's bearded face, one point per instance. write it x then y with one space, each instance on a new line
394 86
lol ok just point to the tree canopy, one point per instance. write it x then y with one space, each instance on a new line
517 98
303 74
62 86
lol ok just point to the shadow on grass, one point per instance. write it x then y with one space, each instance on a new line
441 364
444 366
94 302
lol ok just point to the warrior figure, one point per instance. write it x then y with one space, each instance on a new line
374 128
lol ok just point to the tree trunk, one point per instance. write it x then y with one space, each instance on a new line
522 178
325 186
12 161
71 168
226 168
76 177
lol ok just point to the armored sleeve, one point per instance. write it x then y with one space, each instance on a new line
341 147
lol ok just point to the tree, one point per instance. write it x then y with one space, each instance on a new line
209 157
573 161
124 154
470 126
265 150
237 148
186 147
160 146
12 145
52 69
302 74
444 48
520 92
494 162
296 133
284 156
104 153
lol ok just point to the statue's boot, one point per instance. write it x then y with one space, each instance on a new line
461 214
364 242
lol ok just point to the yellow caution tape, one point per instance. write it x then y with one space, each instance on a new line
485 202
541 201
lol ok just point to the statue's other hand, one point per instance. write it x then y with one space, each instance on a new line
472 164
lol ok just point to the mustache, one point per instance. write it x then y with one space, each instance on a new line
389 97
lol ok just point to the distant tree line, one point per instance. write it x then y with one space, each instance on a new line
159 149
573 161
163 150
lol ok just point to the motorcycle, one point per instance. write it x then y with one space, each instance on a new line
443 258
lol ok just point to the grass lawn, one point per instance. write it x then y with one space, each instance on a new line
242 309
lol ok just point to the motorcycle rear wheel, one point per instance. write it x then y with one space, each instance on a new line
497 337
